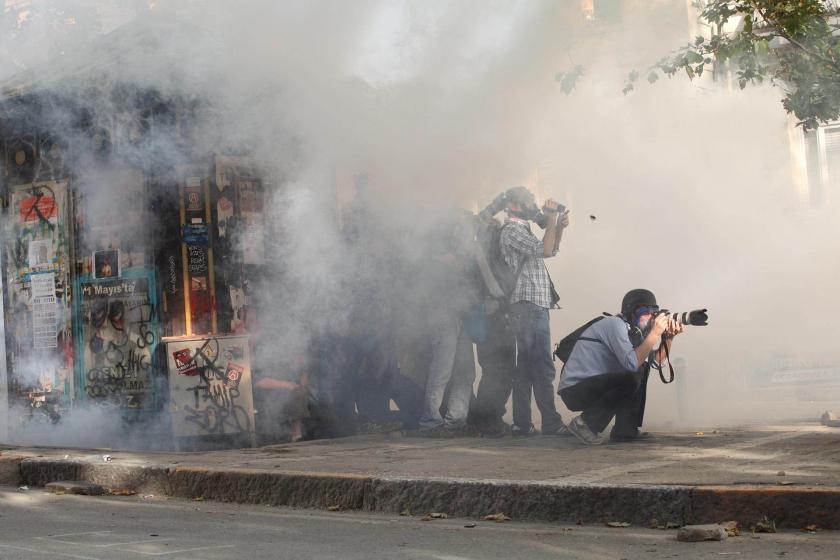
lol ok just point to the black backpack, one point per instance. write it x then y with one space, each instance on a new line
564 347
499 278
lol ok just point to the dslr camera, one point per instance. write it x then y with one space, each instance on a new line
697 317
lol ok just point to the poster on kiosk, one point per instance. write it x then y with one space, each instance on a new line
210 388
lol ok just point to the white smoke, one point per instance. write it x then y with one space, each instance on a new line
448 104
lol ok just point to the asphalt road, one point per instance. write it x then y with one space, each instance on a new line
35 525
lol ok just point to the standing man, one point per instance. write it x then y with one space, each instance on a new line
533 295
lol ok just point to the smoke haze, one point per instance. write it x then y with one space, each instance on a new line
446 104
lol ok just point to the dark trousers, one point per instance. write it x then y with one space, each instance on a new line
497 358
534 367
603 396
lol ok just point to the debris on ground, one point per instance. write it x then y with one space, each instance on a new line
830 419
122 492
405 513
469 526
23 488
781 473
732 528
497 517
148 496
699 434
765 525
434 515
618 524
333 508
107 458
810 529
700 533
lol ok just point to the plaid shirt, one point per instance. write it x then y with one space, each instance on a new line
517 243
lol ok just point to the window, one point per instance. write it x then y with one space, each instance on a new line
822 156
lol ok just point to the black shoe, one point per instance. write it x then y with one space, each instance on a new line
625 437
517 431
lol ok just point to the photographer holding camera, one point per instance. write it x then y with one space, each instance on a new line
607 369
532 296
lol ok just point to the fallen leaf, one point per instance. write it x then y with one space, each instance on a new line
199 499
497 517
123 492
810 528
618 524
333 508
430 516
765 525
699 434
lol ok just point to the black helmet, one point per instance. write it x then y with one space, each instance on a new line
521 196
635 299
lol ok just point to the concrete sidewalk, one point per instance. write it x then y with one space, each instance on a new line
788 473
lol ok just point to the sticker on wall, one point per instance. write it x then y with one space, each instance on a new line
38 208
198 283
196 259
106 264
196 234
40 253
184 362
234 374
44 311
224 210
192 199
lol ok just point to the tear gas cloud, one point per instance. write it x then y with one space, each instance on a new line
446 104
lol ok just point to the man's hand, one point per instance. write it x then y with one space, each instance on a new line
564 220
660 325
551 206
674 328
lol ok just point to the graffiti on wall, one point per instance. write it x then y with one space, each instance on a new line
210 387
118 341
37 273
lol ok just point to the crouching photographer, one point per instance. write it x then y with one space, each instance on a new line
607 363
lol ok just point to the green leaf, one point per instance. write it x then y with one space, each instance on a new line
652 77
699 40
762 47
693 57
690 71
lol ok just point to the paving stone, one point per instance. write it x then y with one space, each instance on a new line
698 533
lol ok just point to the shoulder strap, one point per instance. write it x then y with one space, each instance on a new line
518 268
670 367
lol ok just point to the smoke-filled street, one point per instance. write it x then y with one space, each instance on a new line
556 261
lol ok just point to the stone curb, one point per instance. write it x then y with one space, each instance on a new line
638 504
